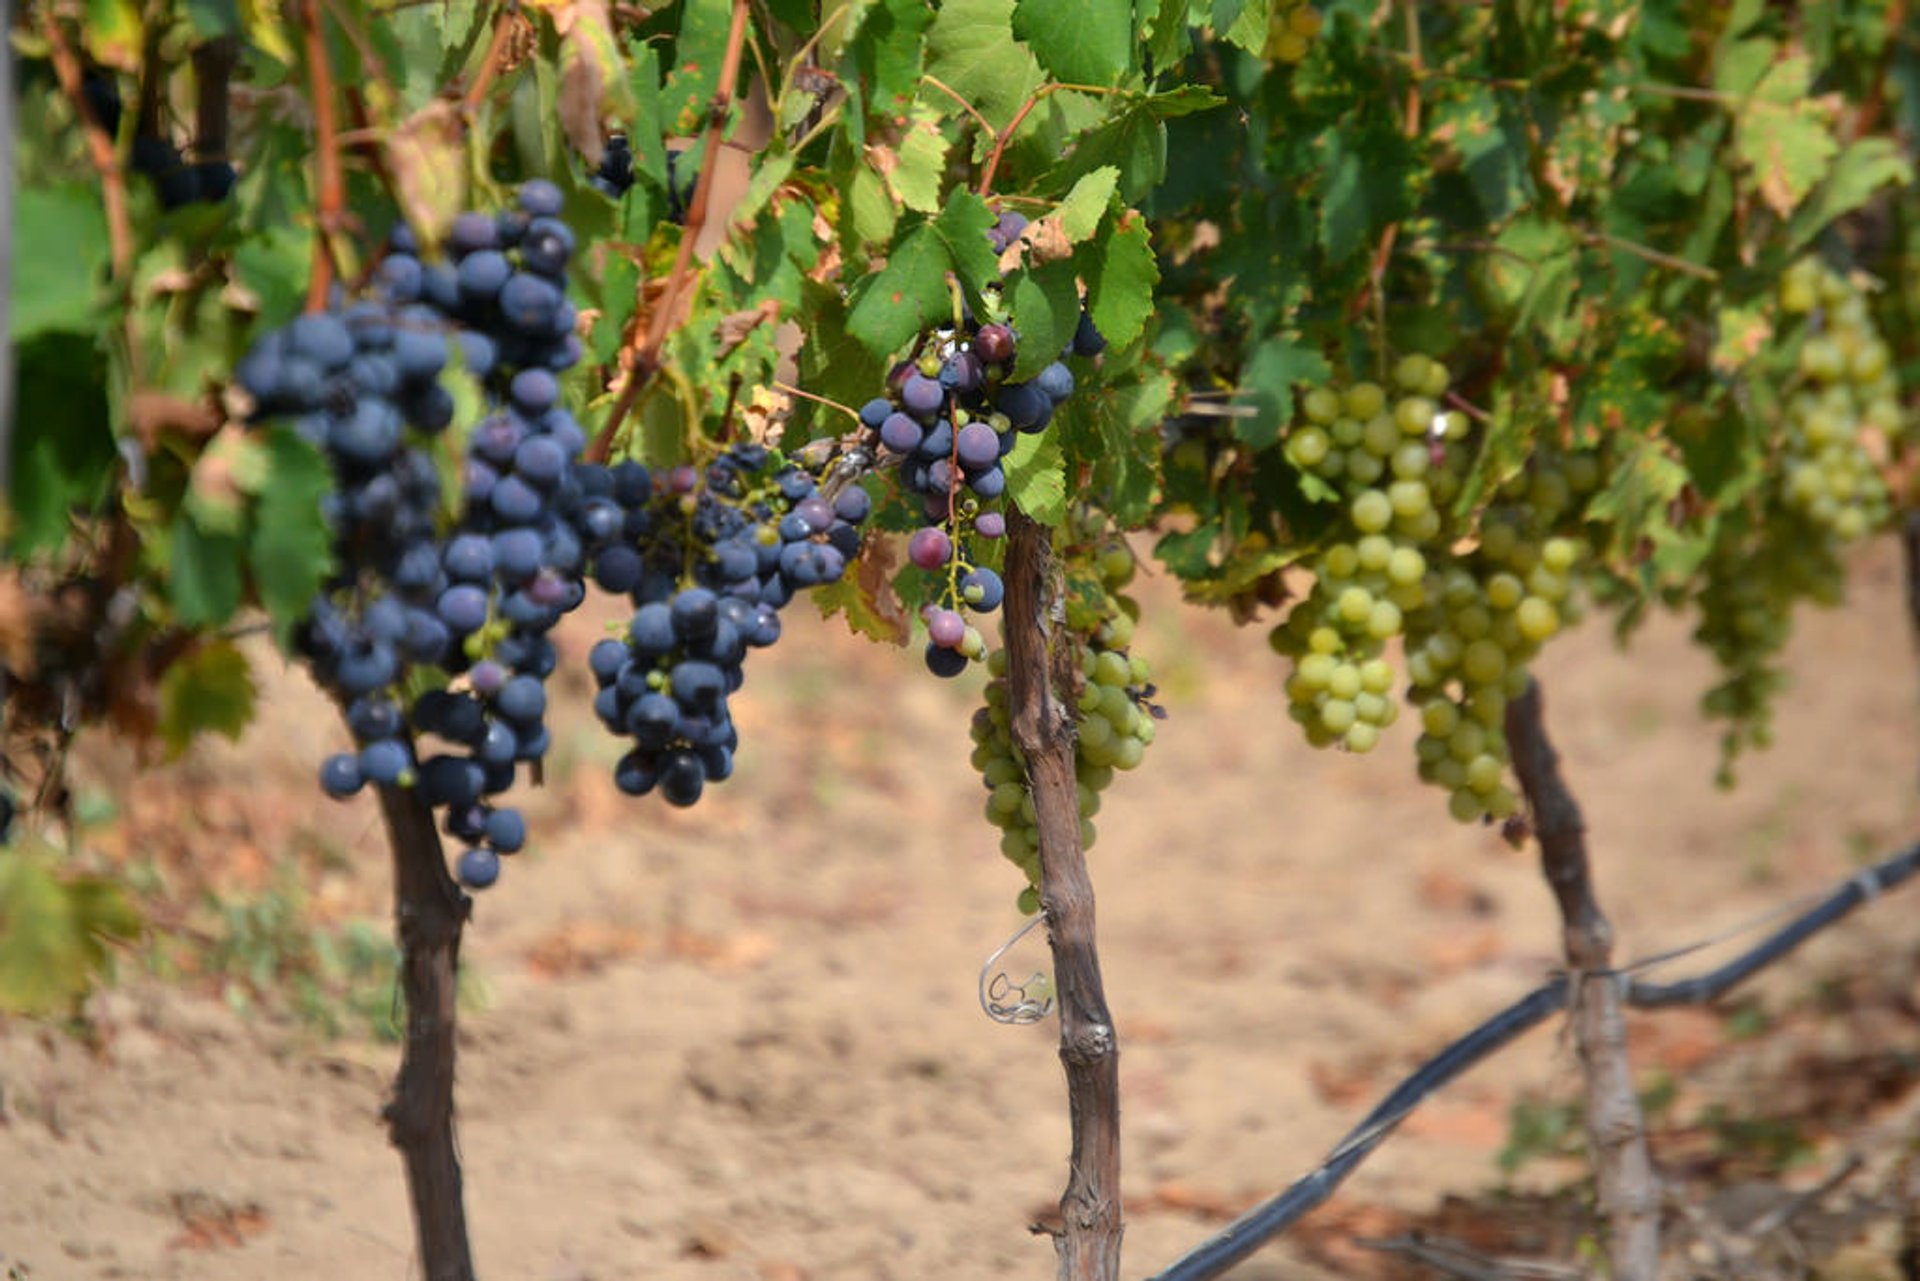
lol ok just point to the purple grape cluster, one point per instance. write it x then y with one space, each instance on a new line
951 417
503 285
477 601
708 559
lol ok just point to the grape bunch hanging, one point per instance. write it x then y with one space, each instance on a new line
1470 616
951 416
439 629
708 560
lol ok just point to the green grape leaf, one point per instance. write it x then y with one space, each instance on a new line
698 53
886 51
898 301
972 49
1078 41
963 226
646 130
1635 501
1084 207
1370 181
1037 477
1780 132
919 165
63 448
1045 306
59 259
291 552
54 932
1858 172
209 690
1120 272
1267 381
203 579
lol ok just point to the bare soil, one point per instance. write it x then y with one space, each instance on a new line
744 1041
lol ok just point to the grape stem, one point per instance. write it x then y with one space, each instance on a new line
1042 673
100 151
1629 1187
644 360
332 199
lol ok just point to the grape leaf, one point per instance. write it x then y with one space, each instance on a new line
1078 41
203 582
1037 477
59 255
1782 135
1120 273
963 226
971 48
919 165
895 303
1370 174
290 552
63 448
1080 213
1268 379
209 690
1045 306
53 933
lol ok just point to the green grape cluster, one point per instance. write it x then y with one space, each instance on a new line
1470 618
1389 462
1847 393
1291 30
1471 648
1760 567
1116 719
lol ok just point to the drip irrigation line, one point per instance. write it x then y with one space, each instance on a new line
1260 1225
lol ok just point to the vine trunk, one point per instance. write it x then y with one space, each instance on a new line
429 913
1616 1131
1041 673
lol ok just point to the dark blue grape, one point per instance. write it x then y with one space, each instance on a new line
340 775
529 302
1088 341
1056 380
695 612
463 608
472 232
922 396
506 831
479 868
653 632
636 773
522 699
541 198
469 558
515 501
483 275
982 589
682 778
385 762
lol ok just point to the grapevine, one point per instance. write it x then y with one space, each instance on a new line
1115 714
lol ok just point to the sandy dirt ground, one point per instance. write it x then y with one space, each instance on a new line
744 1041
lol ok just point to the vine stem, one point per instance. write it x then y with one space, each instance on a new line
490 66
332 201
1041 675
1001 137
430 911
644 360
1623 1167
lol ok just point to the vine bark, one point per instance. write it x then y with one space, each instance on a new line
1623 1167
429 913
1041 676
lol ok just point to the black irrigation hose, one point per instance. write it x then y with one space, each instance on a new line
1260 1225
1868 885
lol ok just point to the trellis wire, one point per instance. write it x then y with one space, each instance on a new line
1264 1222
